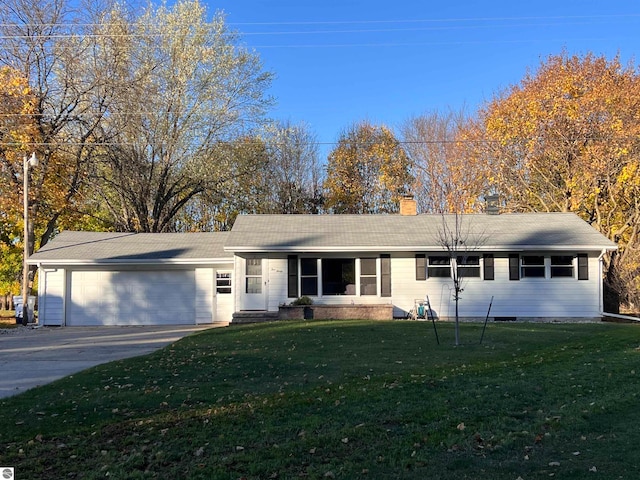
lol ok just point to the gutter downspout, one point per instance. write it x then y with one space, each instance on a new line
600 294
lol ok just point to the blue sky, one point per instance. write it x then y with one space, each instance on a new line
338 62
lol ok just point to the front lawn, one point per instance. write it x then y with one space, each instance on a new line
344 400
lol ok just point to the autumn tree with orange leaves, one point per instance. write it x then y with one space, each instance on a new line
367 172
567 138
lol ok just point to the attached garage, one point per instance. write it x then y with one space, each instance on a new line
91 279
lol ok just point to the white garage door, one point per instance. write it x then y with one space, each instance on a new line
131 298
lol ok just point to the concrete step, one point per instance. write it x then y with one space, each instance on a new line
252 316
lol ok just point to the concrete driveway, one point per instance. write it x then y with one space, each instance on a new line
33 357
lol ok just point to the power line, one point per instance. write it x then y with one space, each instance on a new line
349 22
441 20
437 22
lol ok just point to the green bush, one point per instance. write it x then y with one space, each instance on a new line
302 301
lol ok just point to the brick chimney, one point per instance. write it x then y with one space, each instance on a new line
408 205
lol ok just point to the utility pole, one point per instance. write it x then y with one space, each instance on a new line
27 162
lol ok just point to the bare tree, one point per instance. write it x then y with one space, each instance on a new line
293 170
447 178
458 239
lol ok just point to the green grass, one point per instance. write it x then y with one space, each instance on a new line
344 400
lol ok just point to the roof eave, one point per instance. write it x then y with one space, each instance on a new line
415 248
98 262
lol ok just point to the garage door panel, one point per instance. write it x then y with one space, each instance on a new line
92 301
132 298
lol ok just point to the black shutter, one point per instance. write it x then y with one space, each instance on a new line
292 276
488 266
583 266
421 267
385 271
514 267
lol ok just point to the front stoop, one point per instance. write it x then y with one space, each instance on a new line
251 316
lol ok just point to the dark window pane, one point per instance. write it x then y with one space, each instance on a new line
566 260
309 286
562 271
469 260
535 272
439 261
561 265
439 267
442 272
533 260
533 266
468 272
309 266
338 276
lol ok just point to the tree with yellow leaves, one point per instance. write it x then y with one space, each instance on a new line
367 172
17 131
567 138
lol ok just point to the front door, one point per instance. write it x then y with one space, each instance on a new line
255 294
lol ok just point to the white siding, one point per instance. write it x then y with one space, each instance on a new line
51 296
204 295
527 297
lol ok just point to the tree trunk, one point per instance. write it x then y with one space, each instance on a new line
457 323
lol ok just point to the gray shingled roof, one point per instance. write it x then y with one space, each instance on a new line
324 233
315 233
122 248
